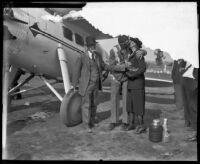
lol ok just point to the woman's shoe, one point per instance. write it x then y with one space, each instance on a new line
140 130
137 128
130 127
112 126
124 127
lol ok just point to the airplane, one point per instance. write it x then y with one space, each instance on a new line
48 49
45 48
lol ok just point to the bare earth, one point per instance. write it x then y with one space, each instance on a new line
45 137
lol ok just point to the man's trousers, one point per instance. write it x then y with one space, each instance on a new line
89 103
190 101
115 101
178 96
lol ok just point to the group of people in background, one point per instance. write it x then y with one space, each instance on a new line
185 79
127 67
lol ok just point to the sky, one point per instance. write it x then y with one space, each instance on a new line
170 26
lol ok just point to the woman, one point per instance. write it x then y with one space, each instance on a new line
136 85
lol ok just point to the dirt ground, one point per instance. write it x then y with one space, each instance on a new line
45 137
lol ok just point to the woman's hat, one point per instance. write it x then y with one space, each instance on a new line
90 41
137 42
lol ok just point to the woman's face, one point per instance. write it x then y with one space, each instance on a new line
133 46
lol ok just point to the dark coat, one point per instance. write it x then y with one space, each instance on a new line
136 79
176 74
82 71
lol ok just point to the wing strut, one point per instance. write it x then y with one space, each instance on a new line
64 68
51 88
21 84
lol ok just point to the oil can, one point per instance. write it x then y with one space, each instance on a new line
156 131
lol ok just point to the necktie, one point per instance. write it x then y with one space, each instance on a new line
93 56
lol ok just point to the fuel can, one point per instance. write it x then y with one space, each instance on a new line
156 131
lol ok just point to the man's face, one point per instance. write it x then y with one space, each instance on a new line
182 63
92 47
124 45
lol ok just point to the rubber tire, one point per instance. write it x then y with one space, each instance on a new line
70 109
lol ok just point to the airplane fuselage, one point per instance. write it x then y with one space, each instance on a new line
36 49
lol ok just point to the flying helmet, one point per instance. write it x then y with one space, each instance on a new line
123 41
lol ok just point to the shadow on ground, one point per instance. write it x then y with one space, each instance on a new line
15 126
150 114
22 107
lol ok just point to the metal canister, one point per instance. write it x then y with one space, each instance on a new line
155 131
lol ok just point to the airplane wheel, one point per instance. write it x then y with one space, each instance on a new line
70 109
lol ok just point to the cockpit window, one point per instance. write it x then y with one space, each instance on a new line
79 40
67 33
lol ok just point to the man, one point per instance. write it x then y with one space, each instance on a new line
176 77
89 68
117 59
159 57
118 54
189 83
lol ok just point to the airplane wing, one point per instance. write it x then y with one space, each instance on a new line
61 11
78 21
88 27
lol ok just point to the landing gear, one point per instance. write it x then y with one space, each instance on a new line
70 112
70 109
14 76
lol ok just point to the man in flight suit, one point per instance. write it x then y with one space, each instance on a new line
118 55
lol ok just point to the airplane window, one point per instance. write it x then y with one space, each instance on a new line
67 33
79 39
